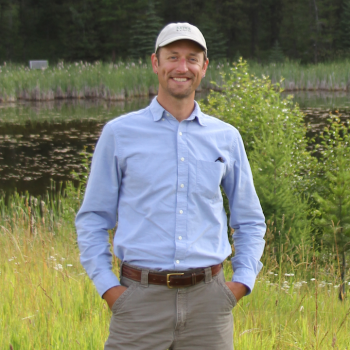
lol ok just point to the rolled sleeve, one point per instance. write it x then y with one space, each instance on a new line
246 217
98 213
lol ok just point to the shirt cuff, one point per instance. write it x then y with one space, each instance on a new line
246 277
105 282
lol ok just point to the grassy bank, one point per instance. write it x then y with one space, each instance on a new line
48 302
331 76
116 82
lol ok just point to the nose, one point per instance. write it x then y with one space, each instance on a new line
182 66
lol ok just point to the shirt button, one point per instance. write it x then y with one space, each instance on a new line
182 185
182 159
178 261
167 114
181 211
180 133
163 119
180 238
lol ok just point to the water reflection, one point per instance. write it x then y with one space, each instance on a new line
43 140
320 99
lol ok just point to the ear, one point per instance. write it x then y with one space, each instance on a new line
154 60
205 67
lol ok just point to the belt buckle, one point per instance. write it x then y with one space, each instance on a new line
168 279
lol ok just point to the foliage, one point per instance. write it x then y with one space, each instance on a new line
310 31
334 194
144 32
216 40
345 25
276 54
275 141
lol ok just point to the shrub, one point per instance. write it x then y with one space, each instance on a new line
275 139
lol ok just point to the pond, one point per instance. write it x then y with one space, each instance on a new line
41 142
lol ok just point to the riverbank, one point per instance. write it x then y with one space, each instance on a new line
125 80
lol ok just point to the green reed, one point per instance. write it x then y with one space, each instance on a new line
86 80
134 79
49 302
333 76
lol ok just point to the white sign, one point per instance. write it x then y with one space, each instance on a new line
38 64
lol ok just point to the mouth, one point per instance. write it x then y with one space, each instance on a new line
181 80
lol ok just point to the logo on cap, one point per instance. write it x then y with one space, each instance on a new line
183 29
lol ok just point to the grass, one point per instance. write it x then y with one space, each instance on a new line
332 76
134 79
85 80
48 302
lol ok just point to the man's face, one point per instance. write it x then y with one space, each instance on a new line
180 68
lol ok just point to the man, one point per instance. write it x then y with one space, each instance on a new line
160 170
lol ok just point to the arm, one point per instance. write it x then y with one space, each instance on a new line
246 219
98 213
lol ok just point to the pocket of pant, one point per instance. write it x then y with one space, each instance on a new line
208 178
231 297
123 298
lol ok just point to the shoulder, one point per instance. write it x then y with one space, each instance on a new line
129 119
216 123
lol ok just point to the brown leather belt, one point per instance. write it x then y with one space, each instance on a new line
172 279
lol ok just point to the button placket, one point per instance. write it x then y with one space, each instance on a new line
182 185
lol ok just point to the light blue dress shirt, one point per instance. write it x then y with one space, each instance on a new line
160 179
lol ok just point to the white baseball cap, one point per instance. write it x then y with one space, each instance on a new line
179 31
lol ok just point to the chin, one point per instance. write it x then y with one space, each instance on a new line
181 94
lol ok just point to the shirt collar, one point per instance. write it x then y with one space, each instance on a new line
157 111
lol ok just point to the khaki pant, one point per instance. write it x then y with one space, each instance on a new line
152 317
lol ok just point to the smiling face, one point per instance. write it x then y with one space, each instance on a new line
180 67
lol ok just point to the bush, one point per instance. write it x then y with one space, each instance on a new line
275 139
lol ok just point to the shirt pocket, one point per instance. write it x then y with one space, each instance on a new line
208 178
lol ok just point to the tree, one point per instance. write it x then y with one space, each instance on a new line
276 54
345 25
334 196
216 40
144 32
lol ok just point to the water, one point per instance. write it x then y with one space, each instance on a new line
320 99
43 141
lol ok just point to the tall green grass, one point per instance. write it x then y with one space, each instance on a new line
134 79
333 76
48 302
85 80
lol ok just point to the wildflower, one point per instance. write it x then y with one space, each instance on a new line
69 265
312 279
